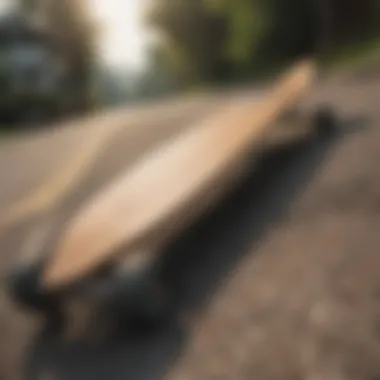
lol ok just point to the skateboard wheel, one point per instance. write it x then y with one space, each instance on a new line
325 121
152 306
139 302
26 292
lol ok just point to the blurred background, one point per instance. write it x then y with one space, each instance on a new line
307 221
59 59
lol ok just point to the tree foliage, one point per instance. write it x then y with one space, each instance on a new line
216 40
72 33
192 40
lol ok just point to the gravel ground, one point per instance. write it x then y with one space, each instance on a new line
279 282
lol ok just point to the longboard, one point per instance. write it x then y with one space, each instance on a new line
166 189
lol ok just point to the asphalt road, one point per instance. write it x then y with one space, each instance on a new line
280 281
37 170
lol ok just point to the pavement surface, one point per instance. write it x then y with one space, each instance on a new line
280 281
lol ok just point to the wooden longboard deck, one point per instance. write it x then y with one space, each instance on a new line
167 185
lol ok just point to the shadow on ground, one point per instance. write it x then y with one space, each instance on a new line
196 265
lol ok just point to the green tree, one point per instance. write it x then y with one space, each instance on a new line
216 40
192 40
72 33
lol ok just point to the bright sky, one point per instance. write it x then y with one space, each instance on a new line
5 5
123 35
